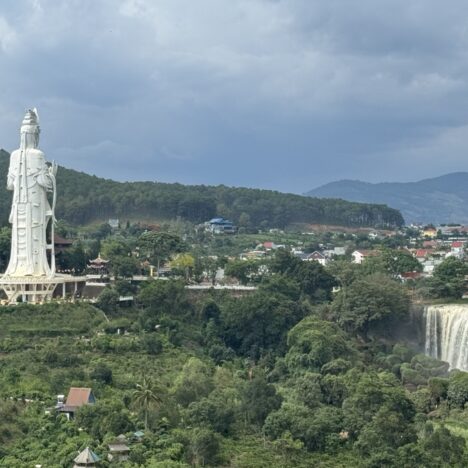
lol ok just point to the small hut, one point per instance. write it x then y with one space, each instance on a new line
86 458
118 449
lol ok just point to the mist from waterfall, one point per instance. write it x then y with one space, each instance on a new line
447 334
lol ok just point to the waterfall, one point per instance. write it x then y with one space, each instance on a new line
447 334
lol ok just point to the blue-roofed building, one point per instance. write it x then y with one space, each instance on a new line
220 226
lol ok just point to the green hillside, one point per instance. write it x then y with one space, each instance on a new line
83 198
287 376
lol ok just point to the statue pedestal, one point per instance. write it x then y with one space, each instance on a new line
38 289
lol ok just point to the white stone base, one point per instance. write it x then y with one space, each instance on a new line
36 289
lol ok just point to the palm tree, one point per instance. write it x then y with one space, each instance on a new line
145 396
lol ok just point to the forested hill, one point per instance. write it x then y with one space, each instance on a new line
83 198
439 200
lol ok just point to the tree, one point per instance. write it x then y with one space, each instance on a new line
259 322
159 246
399 261
446 449
369 392
203 447
112 248
164 297
284 262
388 429
206 267
315 428
259 398
146 396
449 278
108 300
281 285
438 388
73 259
312 277
5 244
102 373
152 343
193 382
457 392
345 271
183 263
244 220
371 302
244 270
214 411
103 418
124 266
312 343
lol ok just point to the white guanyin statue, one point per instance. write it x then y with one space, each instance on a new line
31 179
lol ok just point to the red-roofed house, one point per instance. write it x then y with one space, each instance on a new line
457 248
77 397
422 254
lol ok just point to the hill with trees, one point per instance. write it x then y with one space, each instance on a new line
439 200
289 375
83 198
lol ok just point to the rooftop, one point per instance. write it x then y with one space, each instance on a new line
77 397
87 456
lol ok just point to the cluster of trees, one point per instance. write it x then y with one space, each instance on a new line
289 375
83 198
448 280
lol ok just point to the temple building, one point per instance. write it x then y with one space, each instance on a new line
98 267
86 458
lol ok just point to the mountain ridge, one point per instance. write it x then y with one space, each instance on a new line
83 198
441 199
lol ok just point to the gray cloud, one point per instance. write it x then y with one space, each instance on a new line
284 94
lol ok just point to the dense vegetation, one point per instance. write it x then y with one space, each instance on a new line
83 198
289 375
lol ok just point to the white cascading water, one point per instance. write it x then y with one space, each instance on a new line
447 334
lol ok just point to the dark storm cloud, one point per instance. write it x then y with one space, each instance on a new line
278 94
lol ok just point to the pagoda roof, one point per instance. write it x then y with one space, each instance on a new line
87 456
99 260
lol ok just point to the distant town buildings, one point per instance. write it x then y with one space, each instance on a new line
220 226
430 231
114 223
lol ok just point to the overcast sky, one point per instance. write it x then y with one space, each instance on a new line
282 94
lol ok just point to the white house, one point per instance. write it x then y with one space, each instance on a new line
360 255
317 257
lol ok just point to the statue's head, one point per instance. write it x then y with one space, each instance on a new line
30 129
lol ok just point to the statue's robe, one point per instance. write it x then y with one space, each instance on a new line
30 180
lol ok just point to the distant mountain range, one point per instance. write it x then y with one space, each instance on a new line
439 200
